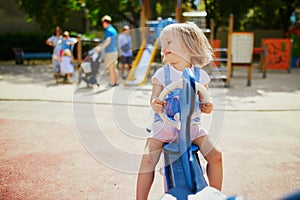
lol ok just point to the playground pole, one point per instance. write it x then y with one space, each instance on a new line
178 10
79 49
145 13
212 27
229 50
145 16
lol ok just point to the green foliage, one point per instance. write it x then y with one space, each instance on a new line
220 11
51 13
158 8
249 15
266 14
263 14
119 10
48 13
162 9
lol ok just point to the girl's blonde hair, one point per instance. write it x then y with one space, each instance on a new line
193 41
67 52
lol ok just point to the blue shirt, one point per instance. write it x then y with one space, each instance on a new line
111 32
64 44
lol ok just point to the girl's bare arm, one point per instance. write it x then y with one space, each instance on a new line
156 104
205 107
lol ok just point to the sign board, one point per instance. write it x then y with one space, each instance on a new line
242 47
279 53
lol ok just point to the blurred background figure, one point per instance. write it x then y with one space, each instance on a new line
66 65
151 37
111 50
55 42
67 42
125 50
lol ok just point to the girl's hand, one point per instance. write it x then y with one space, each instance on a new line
206 107
158 105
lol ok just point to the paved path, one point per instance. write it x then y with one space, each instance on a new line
57 144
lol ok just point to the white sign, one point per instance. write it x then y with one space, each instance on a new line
242 47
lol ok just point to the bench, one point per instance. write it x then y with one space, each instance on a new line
32 56
20 56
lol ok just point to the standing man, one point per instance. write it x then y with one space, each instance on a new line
111 50
125 50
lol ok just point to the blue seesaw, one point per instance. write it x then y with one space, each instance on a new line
183 172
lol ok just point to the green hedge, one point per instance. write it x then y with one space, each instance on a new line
30 42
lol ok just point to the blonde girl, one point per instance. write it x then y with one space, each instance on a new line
184 45
66 65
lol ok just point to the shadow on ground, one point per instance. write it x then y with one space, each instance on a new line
27 74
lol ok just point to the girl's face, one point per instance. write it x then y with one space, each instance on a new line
173 50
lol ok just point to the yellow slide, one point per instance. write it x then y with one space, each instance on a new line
142 65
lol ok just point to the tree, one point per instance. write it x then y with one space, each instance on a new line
127 10
53 12
120 10
268 14
49 13
220 10
265 14
250 15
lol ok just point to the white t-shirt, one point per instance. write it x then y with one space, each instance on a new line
56 41
66 65
161 130
175 75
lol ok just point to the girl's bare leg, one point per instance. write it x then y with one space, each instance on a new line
214 161
147 168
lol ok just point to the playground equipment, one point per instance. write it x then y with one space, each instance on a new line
142 64
183 173
278 54
240 50
239 54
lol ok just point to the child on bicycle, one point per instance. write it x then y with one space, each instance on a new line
184 45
